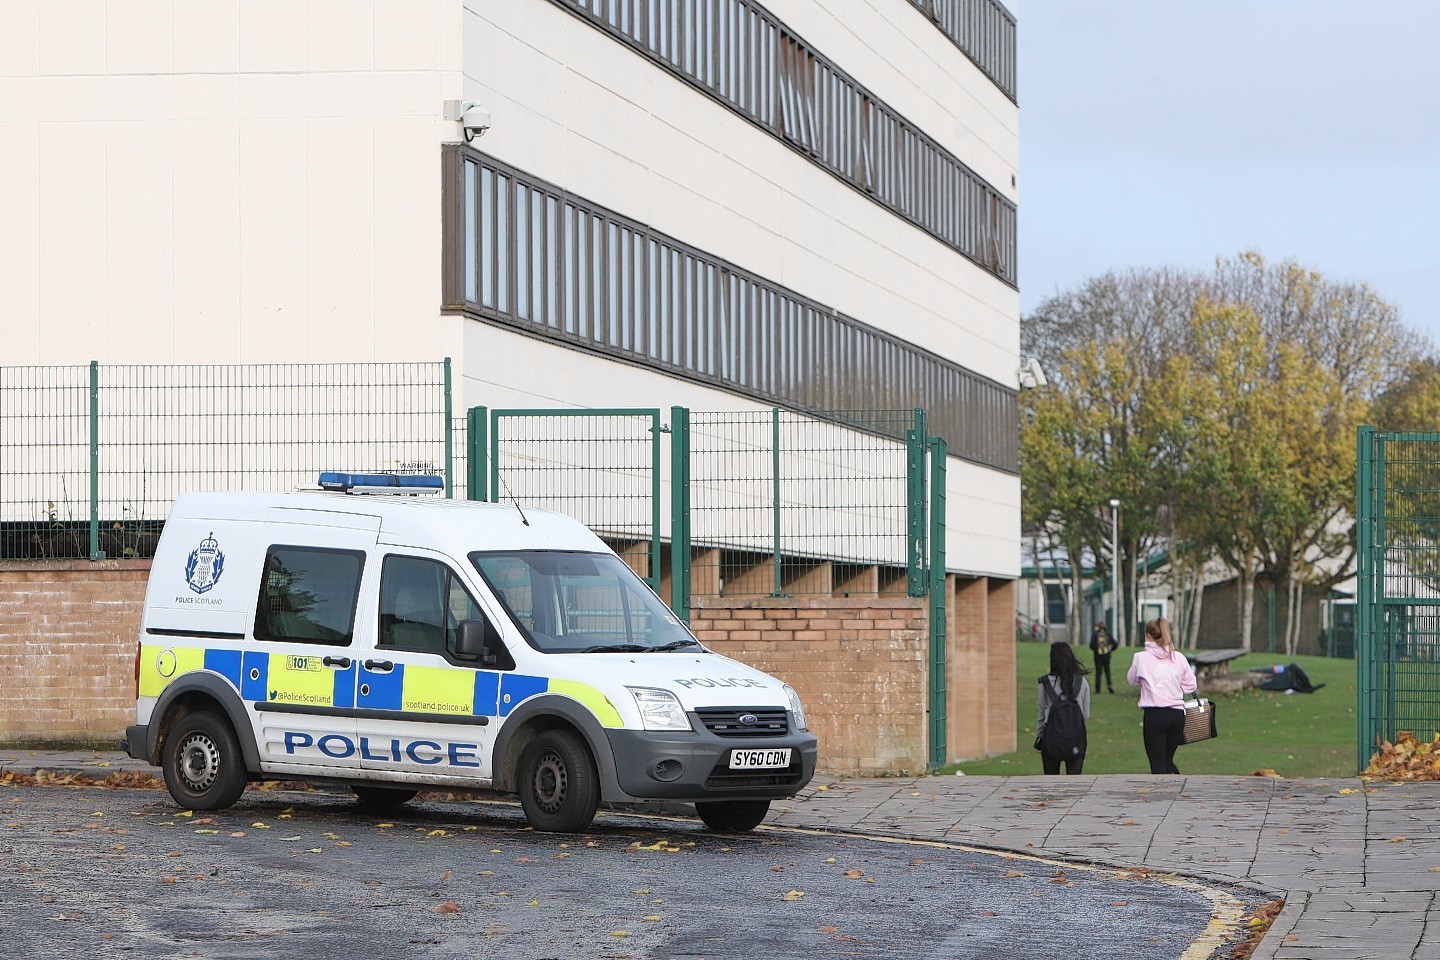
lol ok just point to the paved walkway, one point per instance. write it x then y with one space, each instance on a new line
1359 864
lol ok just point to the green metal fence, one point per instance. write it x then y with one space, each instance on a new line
787 504
601 467
92 457
1397 632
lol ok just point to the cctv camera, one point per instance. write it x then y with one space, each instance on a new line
475 120
1031 375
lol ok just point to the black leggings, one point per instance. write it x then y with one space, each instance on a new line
1163 727
1051 765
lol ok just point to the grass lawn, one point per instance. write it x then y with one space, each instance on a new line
1296 735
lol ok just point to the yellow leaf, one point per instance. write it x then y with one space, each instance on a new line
619 933
793 895
533 903
653 917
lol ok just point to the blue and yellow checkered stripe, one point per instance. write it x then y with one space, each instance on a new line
409 688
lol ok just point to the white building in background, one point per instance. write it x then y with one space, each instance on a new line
709 203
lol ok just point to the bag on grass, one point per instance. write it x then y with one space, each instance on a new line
1199 721
1064 734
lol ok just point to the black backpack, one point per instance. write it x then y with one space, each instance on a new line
1064 735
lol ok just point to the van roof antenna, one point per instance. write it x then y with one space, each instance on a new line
513 500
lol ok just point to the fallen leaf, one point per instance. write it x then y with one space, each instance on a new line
793 895
449 906
1013 873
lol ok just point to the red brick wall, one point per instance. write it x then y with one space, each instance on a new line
980 668
67 649
68 631
859 665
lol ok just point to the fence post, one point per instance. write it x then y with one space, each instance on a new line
476 446
449 437
915 562
939 627
1365 595
680 512
779 590
95 553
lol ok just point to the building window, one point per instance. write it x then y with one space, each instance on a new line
738 53
630 292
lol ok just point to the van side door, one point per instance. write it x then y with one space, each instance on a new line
423 707
299 668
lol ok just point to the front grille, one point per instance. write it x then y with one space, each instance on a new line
722 777
725 721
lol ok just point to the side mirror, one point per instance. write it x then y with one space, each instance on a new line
479 640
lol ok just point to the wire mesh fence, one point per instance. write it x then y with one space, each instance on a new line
783 503
1397 639
761 502
94 456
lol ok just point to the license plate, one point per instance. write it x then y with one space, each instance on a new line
759 759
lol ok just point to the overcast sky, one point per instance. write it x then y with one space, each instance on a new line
1167 132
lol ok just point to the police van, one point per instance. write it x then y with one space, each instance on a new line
373 635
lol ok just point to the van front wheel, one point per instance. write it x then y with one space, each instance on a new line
559 789
732 816
204 768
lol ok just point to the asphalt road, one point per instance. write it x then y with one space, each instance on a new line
91 872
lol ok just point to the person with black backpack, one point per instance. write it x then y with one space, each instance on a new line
1064 708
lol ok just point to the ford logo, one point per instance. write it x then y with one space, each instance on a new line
749 719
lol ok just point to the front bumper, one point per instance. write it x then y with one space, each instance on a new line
136 742
652 765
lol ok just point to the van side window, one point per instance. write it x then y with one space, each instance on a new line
421 602
308 595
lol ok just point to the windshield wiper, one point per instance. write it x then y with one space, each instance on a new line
677 644
617 648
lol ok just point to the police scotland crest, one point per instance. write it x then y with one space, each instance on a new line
206 562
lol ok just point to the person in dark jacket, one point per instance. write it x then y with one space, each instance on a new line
1102 645
1066 676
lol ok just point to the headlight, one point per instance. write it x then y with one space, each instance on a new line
795 707
659 709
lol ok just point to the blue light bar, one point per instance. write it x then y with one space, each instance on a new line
394 484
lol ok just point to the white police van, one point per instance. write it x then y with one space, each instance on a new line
394 643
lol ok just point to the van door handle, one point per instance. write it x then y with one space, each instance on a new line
379 666
342 662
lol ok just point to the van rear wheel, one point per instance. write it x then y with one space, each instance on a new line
558 786
383 798
732 816
204 768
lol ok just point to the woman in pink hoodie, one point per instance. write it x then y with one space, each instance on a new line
1164 677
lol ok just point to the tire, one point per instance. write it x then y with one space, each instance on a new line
732 816
559 789
383 798
204 768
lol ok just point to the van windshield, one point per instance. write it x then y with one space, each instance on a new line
581 603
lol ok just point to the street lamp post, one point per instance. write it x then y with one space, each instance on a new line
1115 567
